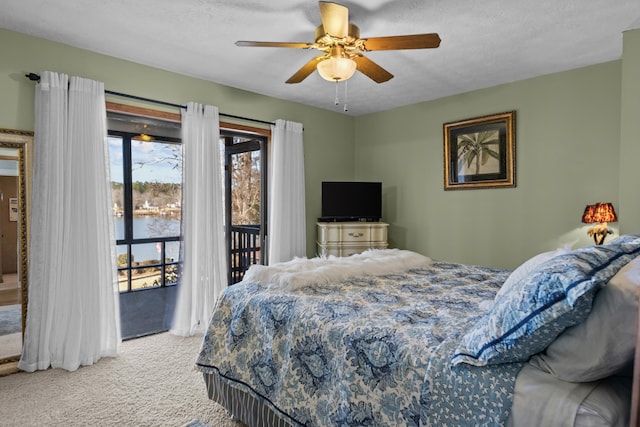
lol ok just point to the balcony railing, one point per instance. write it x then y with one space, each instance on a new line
245 250
150 272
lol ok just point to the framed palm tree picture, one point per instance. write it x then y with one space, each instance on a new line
480 152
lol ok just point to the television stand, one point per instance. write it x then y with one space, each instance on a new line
348 238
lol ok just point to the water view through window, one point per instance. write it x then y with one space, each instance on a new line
146 182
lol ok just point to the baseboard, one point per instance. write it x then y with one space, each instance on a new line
8 369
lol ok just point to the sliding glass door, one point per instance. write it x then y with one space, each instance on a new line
146 183
246 208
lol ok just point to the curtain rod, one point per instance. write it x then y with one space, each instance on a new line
36 77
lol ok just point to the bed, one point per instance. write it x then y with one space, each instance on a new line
390 337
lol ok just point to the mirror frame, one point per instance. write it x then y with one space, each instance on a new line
20 140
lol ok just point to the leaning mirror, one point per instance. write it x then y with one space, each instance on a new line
13 242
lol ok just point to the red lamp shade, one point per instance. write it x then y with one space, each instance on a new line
599 213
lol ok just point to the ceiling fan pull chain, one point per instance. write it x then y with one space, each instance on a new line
345 96
337 101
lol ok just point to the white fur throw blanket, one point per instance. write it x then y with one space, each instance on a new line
300 272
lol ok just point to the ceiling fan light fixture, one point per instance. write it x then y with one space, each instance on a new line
342 49
336 68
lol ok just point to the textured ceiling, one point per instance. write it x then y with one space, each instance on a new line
484 43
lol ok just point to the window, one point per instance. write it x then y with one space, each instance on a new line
146 182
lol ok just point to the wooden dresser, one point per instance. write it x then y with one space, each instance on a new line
348 238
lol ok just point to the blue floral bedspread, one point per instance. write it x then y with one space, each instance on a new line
374 351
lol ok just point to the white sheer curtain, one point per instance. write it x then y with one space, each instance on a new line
204 273
73 311
287 221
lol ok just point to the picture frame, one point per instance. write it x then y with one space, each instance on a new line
480 152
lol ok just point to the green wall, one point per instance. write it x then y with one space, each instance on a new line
567 153
576 143
328 136
630 133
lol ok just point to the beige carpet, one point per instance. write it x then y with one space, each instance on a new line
151 383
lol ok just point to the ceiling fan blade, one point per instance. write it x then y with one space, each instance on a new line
305 71
414 41
275 44
371 69
335 19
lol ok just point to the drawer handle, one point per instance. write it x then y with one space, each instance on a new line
356 234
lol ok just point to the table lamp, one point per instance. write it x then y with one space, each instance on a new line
599 214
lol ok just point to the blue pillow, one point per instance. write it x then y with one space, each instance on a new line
527 268
556 295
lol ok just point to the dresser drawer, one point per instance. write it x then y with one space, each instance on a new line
348 238
355 234
352 233
378 233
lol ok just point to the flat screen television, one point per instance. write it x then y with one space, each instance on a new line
351 201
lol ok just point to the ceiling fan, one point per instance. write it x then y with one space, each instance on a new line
343 49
